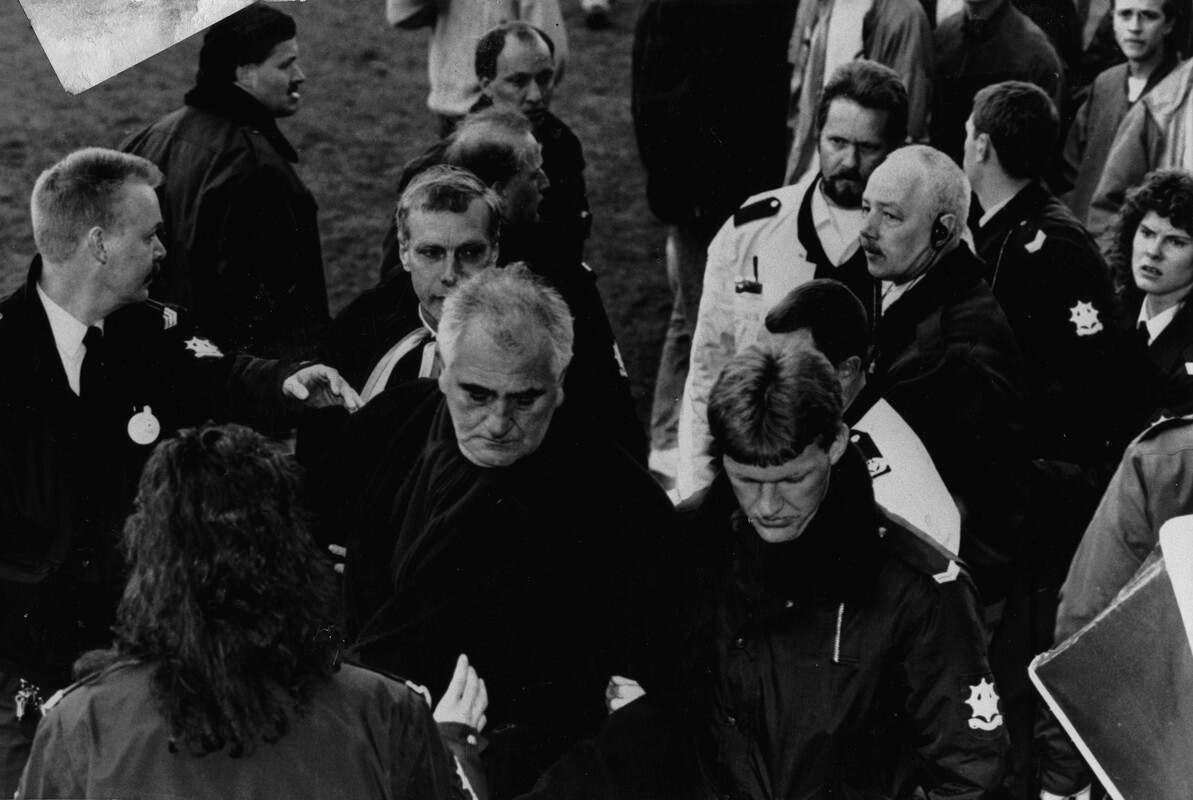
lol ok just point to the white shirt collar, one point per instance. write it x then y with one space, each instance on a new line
994 209
68 331
893 291
1157 324
68 338
837 228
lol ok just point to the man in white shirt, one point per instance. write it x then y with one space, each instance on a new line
780 239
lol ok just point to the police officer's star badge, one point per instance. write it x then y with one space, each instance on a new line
1085 318
203 348
983 699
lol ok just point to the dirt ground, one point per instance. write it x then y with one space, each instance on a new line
364 114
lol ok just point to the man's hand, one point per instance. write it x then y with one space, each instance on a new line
321 386
465 699
621 692
340 553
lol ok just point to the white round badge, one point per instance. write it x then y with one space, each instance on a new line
143 427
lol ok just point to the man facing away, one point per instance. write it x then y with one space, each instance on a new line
782 238
241 228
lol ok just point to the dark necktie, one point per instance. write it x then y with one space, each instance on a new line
92 373
1142 335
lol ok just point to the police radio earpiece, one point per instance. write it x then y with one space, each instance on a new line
940 233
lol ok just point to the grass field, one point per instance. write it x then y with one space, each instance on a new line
364 114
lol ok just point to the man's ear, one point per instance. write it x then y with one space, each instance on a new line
246 76
837 448
484 82
950 222
96 245
404 253
849 369
983 147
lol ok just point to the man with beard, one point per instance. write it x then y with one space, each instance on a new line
241 228
783 238
482 517
94 374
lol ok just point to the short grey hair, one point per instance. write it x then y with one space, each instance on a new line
80 192
515 306
943 182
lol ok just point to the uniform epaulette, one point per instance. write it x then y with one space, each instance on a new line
1163 423
169 313
759 209
1037 242
917 549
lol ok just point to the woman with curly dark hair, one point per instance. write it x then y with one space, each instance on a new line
224 680
1151 253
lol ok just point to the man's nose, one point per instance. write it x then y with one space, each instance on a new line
769 502
534 93
159 249
298 76
543 181
868 229
501 418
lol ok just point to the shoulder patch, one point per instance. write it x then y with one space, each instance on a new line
1035 244
169 313
876 463
203 348
755 211
1084 317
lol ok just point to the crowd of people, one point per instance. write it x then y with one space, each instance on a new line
919 416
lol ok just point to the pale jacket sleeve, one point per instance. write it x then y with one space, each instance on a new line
713 344
904 43
547 16
1129 161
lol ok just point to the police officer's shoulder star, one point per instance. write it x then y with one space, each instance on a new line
203 348
1084 317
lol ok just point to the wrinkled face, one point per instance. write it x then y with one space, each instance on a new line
897 226
132 248
1140 27
276 80
442 249
522 194
501 399
852 144
780 501
1162 261
525 77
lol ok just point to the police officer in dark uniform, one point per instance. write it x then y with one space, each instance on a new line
94 375
1050 279
1052 283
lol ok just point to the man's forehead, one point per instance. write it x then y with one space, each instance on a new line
893 183
524 55
426 223
848 117
507 360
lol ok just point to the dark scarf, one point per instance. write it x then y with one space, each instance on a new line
234 103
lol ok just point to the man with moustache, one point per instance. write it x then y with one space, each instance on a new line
945 357
241 231
95 374
780 239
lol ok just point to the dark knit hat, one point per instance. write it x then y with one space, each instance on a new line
246 37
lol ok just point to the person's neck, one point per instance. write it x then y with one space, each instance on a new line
71 295
997 188
984 10
1143 69
1156 304
831 203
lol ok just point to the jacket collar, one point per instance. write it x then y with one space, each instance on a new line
1026 204
232 102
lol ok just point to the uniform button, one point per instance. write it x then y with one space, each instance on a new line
471 740
882 531
789 604
740 643
731 721
86 564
